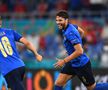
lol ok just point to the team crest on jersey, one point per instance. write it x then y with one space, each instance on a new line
64 38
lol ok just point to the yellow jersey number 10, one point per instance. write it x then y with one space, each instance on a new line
5 47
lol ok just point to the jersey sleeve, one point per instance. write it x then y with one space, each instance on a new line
73 38
17 36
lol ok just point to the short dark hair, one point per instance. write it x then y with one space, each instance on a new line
63 14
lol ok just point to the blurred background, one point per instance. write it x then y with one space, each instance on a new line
35 20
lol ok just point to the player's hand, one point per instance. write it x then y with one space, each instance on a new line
39 57
60 63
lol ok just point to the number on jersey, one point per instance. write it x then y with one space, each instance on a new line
5 47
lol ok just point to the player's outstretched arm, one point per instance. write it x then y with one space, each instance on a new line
78 51
30 46
81 31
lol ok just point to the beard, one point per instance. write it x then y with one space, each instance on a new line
61 26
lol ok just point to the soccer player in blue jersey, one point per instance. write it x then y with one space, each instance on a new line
11 66
76 63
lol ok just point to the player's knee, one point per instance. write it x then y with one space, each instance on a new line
9 89
91 87
59 83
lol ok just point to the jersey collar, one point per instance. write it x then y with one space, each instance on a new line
64 30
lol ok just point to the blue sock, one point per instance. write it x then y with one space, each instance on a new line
57 87
101 86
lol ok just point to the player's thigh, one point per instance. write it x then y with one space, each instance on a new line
91 87
62 79
14 78
85 75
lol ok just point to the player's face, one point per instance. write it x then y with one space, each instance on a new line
61 22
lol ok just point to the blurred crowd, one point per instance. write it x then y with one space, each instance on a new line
42 7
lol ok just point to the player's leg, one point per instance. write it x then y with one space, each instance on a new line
66 74
94 86
15 79
86 76
91 87
62 79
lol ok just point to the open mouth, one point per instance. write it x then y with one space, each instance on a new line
59 25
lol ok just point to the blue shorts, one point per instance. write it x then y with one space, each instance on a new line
84 73
14 79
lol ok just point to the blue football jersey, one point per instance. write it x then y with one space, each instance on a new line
9 57
71 38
